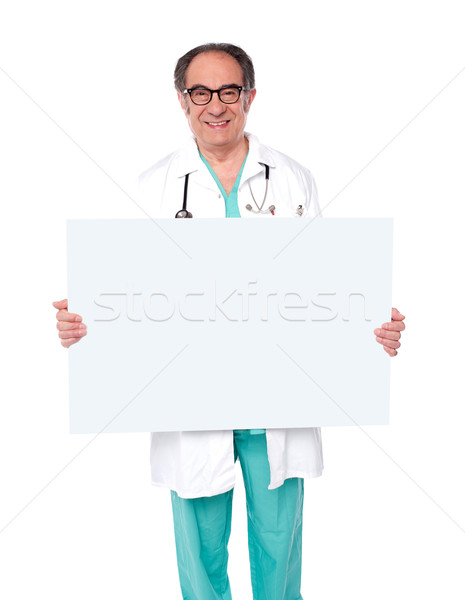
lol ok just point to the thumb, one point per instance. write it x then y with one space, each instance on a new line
60 304
396 315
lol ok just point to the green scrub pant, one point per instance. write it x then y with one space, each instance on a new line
202 527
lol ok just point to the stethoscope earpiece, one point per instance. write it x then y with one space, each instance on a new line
270 209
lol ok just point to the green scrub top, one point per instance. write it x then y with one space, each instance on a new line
232 208
232 211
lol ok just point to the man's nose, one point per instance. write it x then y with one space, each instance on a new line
215 106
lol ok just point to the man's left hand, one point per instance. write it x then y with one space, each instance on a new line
389 333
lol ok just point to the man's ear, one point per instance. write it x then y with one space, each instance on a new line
183 103
250 99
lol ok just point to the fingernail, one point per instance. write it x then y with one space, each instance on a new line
78 318
377 331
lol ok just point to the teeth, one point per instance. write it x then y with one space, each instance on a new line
219 123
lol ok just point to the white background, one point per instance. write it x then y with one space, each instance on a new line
370 96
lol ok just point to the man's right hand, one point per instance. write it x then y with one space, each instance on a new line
70 326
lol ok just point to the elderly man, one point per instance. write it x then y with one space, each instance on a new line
224 171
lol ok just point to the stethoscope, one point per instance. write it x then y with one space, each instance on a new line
185 214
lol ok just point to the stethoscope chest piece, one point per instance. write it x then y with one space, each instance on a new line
183 214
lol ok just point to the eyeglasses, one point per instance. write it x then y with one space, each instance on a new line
227 95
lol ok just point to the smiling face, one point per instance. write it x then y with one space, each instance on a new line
217 127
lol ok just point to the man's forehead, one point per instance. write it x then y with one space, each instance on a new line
213 67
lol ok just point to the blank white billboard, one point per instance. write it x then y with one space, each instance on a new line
204 324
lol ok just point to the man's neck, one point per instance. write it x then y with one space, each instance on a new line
222 156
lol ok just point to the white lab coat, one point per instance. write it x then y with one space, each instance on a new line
201 463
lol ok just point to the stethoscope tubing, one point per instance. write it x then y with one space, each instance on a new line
184 213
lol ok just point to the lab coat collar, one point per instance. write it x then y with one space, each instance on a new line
259 155
189 160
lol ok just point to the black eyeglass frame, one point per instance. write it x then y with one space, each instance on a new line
239 88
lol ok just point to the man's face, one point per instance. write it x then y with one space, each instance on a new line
216 126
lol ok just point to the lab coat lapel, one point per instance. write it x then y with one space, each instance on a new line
190 162
257 157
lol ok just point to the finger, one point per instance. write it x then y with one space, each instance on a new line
388 343
390 351
61 303
389 335
64 315
66 325
78 334
394 326
396 315
69 342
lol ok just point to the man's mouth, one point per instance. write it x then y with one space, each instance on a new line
216 123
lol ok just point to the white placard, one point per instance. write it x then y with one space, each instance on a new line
203 324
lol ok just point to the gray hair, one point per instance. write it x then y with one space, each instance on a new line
237 53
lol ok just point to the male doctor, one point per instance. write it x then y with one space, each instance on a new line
225 172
